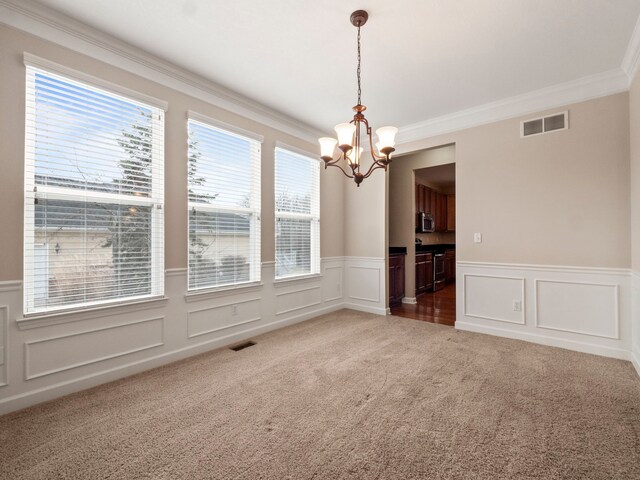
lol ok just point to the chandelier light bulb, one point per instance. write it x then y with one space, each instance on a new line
386 137
345 133
327 145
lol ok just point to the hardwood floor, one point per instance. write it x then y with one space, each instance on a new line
434 307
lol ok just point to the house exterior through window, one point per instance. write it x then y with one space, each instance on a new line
93 229
297 205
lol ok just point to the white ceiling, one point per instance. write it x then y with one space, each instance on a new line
420 58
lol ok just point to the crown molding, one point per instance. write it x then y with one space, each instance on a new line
631 60
60 29
587 88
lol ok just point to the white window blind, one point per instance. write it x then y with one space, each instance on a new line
224 207
297 198
94 161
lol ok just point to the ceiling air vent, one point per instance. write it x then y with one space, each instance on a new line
550 123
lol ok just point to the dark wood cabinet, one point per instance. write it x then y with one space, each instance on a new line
427 200
450 265
441 212
441 207
424 272
396 279
432 201
451 213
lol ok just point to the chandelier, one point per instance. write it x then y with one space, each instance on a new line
349 140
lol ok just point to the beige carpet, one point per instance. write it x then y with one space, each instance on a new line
347 395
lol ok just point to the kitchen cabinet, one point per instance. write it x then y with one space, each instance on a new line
442 212
432 199
451 213
441 207
424 272
450 265
396 279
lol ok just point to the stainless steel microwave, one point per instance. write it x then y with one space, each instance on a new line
425 223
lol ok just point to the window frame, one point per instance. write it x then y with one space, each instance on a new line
34 191
254 210
313 216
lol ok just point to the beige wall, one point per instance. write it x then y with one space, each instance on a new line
634 114
12 93
365 217
557 199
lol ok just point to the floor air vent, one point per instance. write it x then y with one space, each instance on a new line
242 346
550 123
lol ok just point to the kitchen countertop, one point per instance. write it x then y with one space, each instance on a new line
437 248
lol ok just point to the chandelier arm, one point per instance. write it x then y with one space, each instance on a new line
333 162
374 166
338 166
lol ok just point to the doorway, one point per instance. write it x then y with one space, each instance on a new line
421 236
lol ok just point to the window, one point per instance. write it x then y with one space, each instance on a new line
93 230
224 205
297 196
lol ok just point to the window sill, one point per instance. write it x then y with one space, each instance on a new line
205 294
46 319
297 278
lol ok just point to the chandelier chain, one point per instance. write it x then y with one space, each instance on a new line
359 88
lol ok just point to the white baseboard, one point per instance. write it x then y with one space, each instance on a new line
635 360
410 300
365 308
547 340
51 392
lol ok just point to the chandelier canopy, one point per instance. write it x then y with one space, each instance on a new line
350 139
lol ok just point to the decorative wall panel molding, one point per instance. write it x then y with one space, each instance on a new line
332 286
298 299
635 321
492 297
221 317
578 307
365 281
4 342
56 354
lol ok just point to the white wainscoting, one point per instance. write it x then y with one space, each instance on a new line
583 309
578 307
635 320
43 358
491 297
4 331
297 298
366 284
204 321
